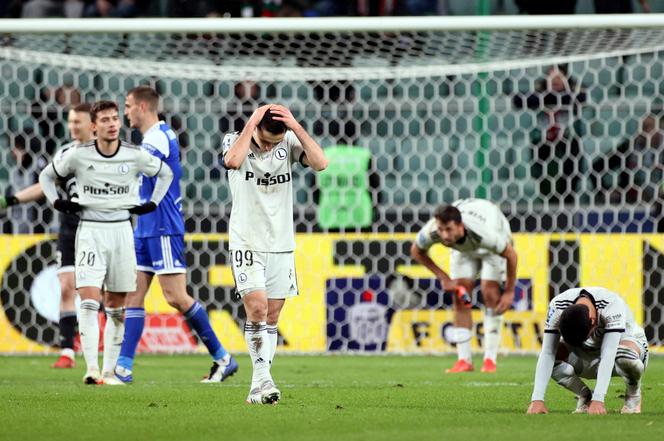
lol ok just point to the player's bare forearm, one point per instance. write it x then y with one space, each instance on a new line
238 152
30 194
235 156
314 155
510 255
421 257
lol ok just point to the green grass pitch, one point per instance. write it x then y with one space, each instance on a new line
323 398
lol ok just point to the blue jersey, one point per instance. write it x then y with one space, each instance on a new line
167 219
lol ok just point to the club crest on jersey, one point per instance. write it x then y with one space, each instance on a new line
123 168
281 153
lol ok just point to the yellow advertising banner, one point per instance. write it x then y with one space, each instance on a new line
615 261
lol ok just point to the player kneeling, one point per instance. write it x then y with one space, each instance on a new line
599 339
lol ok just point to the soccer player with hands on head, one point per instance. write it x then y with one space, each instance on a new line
259 161
481 242
107 172
590 333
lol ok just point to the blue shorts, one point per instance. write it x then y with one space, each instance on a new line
160 255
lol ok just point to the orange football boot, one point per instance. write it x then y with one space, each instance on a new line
460 366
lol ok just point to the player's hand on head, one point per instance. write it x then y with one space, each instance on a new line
505 302
282 113
258 114
596 408
67 206
537 407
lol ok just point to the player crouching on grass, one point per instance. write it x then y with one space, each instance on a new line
599 339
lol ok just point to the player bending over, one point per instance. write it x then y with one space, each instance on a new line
159 240
80 129
107 173
259 162
481 242
599 339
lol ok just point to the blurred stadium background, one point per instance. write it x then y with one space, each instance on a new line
556 119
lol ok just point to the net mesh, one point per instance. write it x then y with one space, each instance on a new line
560 128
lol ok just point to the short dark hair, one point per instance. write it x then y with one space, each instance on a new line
83 108
271 125
448 213
146 94
575 324
100 106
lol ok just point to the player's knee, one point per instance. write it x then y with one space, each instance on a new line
490 296
628 363
67 292
177 299
562 370
67 287
273 317
256 311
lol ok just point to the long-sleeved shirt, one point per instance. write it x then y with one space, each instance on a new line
107 184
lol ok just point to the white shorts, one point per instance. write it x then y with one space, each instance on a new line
487 266
586 363
105 256
273 273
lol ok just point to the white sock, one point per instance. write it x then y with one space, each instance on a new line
272 336
462 338
255 334
68 352
88 327
493 325
113 334
630 367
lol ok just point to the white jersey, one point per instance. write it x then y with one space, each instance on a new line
262 192
487 229
613 315
107 186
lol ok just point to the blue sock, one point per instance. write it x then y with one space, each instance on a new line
198 320
134 324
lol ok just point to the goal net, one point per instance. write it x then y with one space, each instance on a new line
557 120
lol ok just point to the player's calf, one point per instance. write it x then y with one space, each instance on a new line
564 374
630 367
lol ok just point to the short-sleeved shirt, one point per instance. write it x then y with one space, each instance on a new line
262 193
107 186
613 314
487 229
167 220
